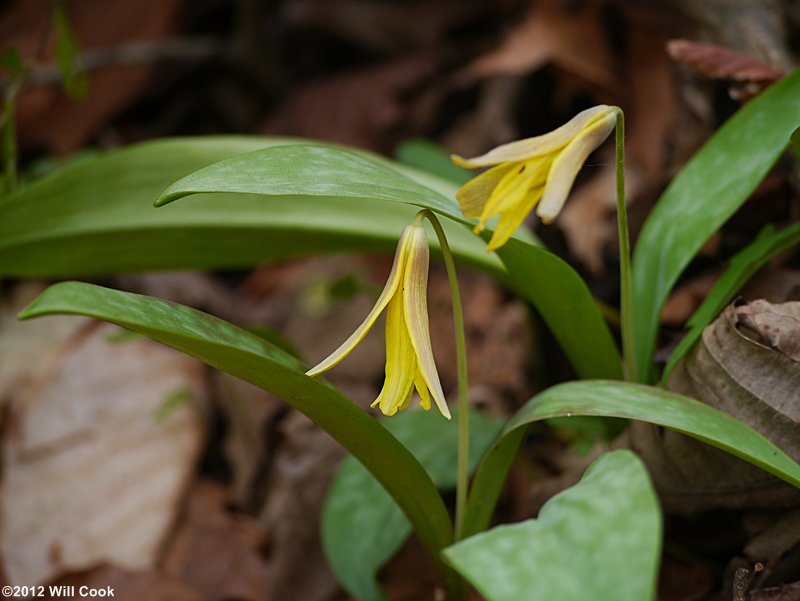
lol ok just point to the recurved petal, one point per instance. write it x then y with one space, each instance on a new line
415 305
513 217
473 195
401 362
567 164
422 389
513 189
392 284
539 145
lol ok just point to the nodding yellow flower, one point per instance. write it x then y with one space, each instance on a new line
409 358
538 170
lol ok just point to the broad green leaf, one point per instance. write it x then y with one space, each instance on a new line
254 360
316 170
429 156
629 401
743 266
97 217
707 191
356 502
329 173
599 540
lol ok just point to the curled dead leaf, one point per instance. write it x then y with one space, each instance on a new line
721 62
747 364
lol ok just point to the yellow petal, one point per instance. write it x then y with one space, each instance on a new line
392 285
539 145
415 305
513 217
513 191
567 164
473 195
401 362
422 389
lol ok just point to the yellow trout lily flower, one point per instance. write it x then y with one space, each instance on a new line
525 173
409 358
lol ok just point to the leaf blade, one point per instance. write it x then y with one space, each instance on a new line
252 359
741 268
628 401
723 173
356 502
565 554
97 217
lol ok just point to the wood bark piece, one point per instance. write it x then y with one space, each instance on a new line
747 365
94 465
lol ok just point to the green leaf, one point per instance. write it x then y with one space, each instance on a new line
599 540
429 156
325 172
566 305
356 502
743 266
329 173
663 408
75 82
707 191
96 217
254 360
795 143
629 401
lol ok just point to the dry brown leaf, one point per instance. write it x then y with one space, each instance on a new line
720 62
46 116
29 348
91 473
572 38
215 552
739 369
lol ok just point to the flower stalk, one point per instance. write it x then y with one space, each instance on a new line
626 319
462 481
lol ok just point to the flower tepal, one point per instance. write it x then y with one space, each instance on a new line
409 357
536 171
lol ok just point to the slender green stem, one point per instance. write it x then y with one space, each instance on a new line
629 361
461 361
